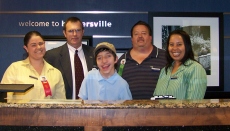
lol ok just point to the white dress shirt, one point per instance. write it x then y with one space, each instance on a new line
83 62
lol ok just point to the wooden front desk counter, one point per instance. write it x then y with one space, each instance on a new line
93 115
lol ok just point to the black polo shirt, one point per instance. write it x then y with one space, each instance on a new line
142 79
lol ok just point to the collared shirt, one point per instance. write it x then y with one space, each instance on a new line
95 87
188 82
142 79
19 73
83 62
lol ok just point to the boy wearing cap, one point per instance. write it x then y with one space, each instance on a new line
104 83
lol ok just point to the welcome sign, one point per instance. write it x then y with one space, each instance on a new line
115 24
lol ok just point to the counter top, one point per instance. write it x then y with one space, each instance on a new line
129 104
94 115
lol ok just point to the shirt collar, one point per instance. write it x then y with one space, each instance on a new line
183 66
153 54
71 48
26 62
111 79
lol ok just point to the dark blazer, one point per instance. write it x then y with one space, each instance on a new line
60 59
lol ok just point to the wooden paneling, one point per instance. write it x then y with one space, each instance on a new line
96 118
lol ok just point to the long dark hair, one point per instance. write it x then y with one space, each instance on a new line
188 48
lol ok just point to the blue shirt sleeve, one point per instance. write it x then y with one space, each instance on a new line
83 94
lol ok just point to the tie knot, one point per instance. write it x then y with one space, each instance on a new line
76 51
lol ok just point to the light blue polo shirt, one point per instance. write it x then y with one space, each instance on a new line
95 87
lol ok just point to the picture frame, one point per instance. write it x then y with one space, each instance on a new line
206 33
56 41
121 51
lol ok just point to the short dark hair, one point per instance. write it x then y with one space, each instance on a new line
110 51
72 19
142 23
188 48
29 35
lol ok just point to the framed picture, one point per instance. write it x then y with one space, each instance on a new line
121 51
206 34
56 41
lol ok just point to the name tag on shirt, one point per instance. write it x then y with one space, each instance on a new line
174 78
155 69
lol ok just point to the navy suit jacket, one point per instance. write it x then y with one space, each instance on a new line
60 59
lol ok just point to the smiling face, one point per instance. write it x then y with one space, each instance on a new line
35 47
176 48
141 37
105 62
74 33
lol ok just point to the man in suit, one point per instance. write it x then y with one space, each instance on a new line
63 57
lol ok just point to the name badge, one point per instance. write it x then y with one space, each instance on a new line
155 69
46 86
174 78
121 67
123 61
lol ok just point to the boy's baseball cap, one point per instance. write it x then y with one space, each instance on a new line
104 45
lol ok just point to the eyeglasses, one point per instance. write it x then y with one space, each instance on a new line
75 30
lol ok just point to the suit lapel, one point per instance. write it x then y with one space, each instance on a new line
88 57
66 65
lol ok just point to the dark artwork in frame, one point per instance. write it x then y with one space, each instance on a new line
206 32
